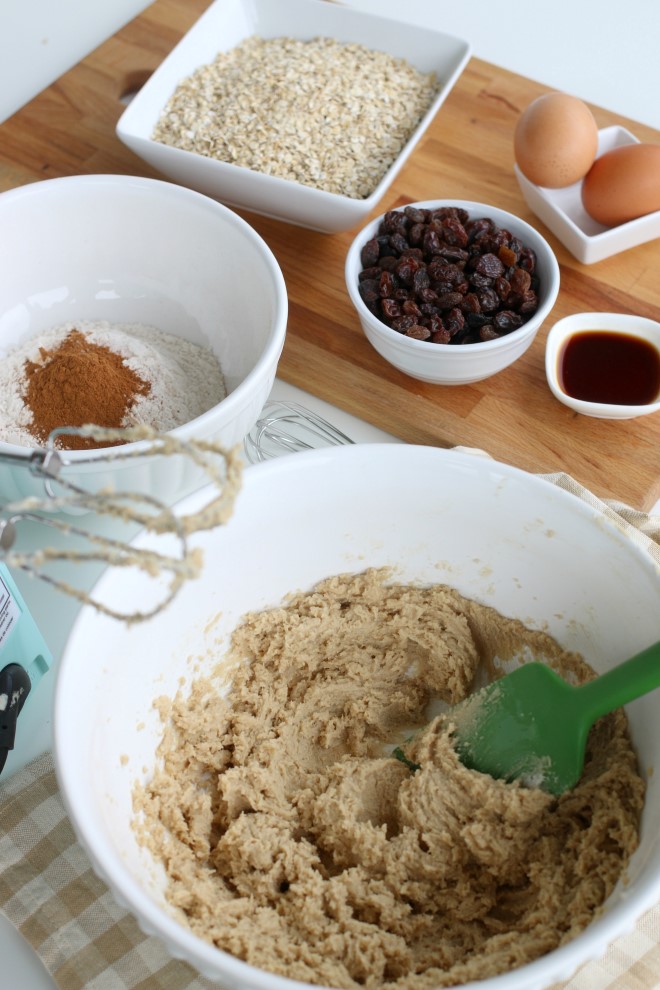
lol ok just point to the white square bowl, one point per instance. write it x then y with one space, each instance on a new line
562 212
222 27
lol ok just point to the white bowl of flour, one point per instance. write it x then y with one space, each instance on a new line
183 290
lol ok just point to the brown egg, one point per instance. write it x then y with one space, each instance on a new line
623 184
555 140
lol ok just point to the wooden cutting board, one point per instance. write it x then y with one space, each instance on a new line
466 154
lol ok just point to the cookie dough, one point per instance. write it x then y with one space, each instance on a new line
292 839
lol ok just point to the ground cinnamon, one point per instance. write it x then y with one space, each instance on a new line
76 383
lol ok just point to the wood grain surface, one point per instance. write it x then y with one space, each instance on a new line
466 154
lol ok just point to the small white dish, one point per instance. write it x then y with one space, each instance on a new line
620 323
222 27
447 364
562 212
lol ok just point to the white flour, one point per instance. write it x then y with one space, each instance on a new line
186 379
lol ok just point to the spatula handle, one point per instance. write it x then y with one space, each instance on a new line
624 683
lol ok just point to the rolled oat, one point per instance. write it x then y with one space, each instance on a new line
323 113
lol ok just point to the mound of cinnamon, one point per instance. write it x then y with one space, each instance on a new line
76 383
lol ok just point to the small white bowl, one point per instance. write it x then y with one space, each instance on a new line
452 364
624 323
562 212
222 27
126 249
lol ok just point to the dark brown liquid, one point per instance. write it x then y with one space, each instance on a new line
605 366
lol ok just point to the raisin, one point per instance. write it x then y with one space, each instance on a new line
418 332
470 303
477 320
507 256
454 233
454 321
506 320
521 281
369 290
390 308
450 212
455 274
489 265
370 253
488 332
451 253
387 285
406 269
393 221
388 263
516 246
384 246
415 215
450 299
488 300
530 303
410 308
441 336
437 269
403 323
421 280
478 281
431 243
478 228
398 243
435 325
416 234
527 260
373 272
428 295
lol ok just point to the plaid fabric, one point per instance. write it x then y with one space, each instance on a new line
51 895
87 942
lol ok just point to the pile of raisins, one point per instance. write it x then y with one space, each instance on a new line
439 276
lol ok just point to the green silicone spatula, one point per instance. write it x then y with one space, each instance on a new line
533 725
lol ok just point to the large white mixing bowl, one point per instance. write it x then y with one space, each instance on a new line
509 539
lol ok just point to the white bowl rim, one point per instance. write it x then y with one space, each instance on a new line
154 920
183 193
351 271
626 323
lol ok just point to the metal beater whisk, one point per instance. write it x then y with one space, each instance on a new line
133 509
287 427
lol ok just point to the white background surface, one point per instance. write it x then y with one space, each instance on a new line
604 52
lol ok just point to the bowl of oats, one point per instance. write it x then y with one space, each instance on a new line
302 110
130 302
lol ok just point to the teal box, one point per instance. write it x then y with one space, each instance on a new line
24 658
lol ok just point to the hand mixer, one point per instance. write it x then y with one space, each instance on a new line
61 495
24 654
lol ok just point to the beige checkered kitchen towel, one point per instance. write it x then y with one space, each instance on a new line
50 893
